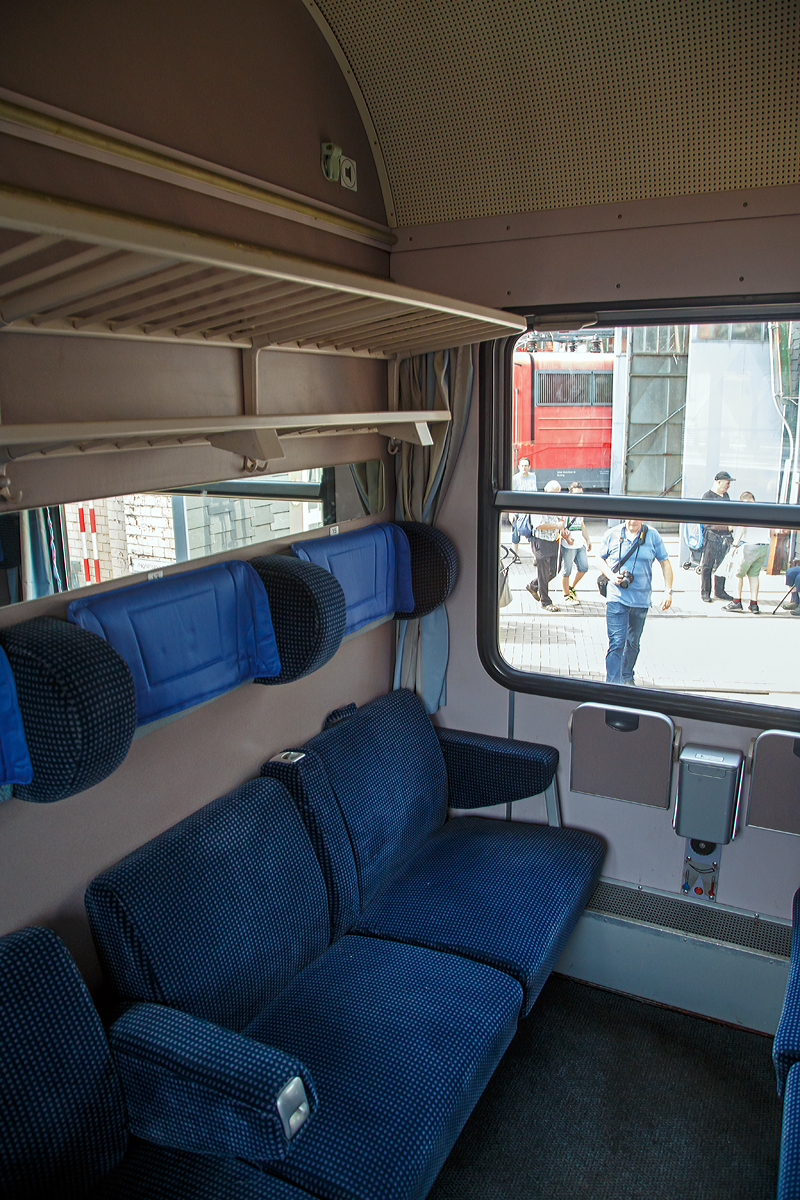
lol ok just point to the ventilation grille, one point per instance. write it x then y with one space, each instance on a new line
688 917
563 387
485 107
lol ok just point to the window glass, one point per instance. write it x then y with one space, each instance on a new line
727 649
56 549
665 411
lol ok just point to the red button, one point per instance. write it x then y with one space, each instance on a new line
699 891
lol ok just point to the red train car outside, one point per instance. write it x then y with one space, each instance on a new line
562 416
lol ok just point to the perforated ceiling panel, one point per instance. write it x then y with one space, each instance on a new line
484 107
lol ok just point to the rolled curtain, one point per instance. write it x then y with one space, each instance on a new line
441 380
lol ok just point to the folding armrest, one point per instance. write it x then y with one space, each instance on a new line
483 770
786 1047
195 1086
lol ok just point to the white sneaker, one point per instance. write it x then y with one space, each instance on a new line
571 600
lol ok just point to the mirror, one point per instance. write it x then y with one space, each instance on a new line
56 549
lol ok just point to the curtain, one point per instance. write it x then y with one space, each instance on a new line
443 380
39 568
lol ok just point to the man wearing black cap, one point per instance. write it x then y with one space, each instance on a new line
716 543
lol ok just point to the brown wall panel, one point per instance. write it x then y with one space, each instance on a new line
249 84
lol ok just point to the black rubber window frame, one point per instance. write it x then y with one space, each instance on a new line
495 497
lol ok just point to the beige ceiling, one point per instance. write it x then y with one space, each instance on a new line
483 108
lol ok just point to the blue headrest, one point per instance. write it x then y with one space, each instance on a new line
434 567
77 703
308 614
188 637
15 762
373 565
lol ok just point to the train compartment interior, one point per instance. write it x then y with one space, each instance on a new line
399 486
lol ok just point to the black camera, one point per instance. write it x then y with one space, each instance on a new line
626 579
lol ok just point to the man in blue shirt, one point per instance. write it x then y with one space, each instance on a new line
630 591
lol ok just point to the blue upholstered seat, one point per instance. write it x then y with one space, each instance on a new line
226 916
789 1170
373 567
188 637
786 1046
63 1121
373 790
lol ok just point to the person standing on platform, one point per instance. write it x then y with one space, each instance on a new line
545 531
716 544
576 554
626 559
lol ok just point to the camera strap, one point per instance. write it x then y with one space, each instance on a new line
635 547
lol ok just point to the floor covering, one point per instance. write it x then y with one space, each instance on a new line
603 1097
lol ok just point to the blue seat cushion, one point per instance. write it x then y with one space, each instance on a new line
187 637
386 771
15 761
373 566
153 1173
504 893
215 915
77 702
401 1041
786 1046
789 1170
62 1118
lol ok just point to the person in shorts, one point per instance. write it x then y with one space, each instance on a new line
755 549
576 554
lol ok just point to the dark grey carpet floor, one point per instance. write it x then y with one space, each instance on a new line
602 1097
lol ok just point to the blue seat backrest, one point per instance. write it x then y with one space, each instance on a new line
386 770
15 761
373 566
62 1118
215 915
187 637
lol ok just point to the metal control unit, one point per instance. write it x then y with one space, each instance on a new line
709 786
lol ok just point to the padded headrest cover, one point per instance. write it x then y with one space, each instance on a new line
77 703
373 565
308 614
434 567
62 1121
15 762
188 637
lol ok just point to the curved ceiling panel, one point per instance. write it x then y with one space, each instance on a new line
484 107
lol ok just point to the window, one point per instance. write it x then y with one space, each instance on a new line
682 403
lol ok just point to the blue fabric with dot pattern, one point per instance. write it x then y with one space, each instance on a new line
786 1047
194 1086
789 1170
387 773
187 637
15 761
401 1042
62 1118
373 566
434 567
484 770
308 614
506 893
215 915
77 702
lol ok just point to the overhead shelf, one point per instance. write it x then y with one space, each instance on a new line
70 269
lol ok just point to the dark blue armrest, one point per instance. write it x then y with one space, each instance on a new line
483 770
192 1085
789 1171
786 1047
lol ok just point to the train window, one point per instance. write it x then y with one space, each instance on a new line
56 549
690 432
